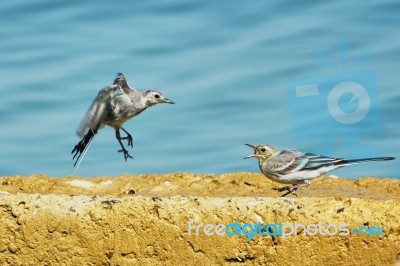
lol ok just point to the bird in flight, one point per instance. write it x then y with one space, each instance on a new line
298 168
113 106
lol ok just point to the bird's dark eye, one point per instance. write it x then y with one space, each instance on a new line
263 149
157 96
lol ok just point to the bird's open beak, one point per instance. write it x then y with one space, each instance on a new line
252 155
168 101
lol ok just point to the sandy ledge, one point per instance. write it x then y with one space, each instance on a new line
143 219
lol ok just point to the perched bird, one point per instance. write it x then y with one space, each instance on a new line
113 106
298 168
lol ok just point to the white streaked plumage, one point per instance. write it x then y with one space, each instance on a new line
298 168
113 106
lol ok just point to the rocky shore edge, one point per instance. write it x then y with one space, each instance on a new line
180 218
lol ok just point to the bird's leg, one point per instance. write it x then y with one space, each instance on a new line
128 137
126 153
292 189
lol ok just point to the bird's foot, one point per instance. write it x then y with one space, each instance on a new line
126 154
129 139
289 189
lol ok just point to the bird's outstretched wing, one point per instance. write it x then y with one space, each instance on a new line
290 161
100 109
121 81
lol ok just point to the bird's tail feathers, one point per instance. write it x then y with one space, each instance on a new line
82 147
344 162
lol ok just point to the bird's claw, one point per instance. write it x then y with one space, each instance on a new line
129 139
126 154
289 189
280 189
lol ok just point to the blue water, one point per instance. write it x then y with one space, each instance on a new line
227 65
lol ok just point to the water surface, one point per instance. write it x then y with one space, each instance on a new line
227 67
